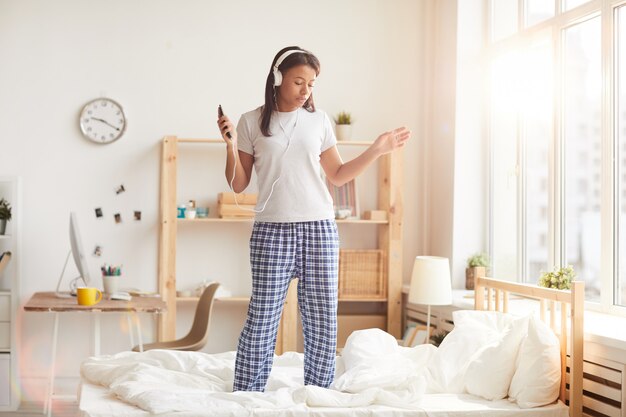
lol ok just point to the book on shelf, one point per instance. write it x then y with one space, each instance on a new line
242 198
232 210
4 260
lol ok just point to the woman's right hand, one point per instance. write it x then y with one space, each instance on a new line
226 126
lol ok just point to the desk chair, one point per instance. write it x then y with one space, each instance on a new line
199 332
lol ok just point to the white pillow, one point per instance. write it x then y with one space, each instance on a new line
472 330
537 379
491 368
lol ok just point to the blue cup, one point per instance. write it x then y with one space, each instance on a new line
202 212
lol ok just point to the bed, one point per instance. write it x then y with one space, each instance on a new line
375 376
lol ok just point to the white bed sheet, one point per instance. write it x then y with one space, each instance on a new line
374 377
98 401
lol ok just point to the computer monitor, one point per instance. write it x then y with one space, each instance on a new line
78 253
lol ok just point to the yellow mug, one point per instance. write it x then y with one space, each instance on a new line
88 296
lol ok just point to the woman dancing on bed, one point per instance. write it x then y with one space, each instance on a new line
287 140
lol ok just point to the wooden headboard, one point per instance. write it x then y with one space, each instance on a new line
493 294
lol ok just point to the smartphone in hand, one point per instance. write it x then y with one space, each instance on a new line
220 113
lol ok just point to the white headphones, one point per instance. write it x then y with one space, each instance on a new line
278 76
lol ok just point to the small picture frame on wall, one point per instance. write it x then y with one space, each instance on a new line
345 199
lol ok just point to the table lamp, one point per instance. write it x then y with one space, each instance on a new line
430 284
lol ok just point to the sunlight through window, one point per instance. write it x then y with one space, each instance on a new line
583 157
506 91
538 132
538 11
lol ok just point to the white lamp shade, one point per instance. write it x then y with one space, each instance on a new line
430 282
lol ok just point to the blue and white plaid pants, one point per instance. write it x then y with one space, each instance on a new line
280 252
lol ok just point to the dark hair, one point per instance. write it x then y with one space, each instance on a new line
293 60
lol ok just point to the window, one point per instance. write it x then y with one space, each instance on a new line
504 166
537 133
620 253
557 134
582 85
504 18
570 4
538 11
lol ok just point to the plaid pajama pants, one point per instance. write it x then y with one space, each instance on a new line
280 252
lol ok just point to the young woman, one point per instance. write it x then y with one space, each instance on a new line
294 235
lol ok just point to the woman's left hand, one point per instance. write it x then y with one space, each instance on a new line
390 141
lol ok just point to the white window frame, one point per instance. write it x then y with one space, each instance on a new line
558 24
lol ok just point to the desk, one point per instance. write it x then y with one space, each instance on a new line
48 302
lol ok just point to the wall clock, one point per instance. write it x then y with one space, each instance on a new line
102 120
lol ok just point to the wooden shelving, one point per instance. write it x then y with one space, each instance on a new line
250 220
217 299
10 189
216 220
221 141
389 234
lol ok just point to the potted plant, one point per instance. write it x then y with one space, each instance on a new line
438 337
477 265
343 126
5 214
560 278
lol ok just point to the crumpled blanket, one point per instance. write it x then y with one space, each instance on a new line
372 369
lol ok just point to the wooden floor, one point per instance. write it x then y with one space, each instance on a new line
59 409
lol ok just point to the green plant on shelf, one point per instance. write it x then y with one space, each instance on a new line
478 259
343 118
560 278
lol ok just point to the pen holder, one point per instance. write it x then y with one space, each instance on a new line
111 283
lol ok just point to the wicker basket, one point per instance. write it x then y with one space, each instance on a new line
361 274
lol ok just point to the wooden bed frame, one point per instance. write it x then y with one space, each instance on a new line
492 294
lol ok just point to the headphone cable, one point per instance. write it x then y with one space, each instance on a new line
279 174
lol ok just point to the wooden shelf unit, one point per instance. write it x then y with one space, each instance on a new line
390 170
250 220
10 270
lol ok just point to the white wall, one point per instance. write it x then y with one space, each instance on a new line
169 64
456 215
439 176
471 160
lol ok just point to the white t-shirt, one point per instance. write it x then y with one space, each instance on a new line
300 194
